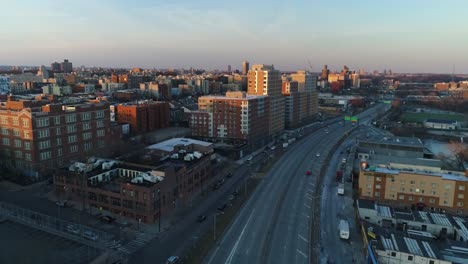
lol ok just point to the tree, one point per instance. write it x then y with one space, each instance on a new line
459 156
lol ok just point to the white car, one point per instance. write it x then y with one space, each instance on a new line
317 155
249 158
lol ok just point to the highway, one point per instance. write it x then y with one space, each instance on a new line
275 224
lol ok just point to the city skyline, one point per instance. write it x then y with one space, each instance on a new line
404 37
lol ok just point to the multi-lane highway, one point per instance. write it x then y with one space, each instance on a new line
275 224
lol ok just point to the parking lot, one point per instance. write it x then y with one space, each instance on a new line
27 245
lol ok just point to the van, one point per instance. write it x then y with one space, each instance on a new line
344 229
172 260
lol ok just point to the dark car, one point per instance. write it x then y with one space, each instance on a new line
222 207
229 175
106 218
201 218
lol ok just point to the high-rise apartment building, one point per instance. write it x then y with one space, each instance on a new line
55 67
265 80
245 67
38 135
325 72
66 66
234 118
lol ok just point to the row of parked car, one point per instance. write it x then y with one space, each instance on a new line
87 234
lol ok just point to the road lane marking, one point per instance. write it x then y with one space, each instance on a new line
303 238
306 215
302 253
308 197
234 249
308 206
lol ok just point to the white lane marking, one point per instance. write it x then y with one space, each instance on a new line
308 206
303 238
234 249
302 253
308 197
306 215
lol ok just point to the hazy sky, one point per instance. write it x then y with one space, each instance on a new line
404 35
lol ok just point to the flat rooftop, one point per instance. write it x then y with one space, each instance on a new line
398 141
169 145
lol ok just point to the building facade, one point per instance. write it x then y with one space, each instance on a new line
37 136
143 116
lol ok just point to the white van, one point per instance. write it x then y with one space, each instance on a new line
344 229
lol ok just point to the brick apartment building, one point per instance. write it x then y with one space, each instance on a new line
401 172
143 116
235 118
180 168
37 135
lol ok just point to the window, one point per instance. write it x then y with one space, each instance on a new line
70 118
16 133
44 155
27 145
410 198
15 121
58 131
445 202
44 144
85 116
377 194
100 133
5 131
421 199
72 138
411 182
410 257
431 262
56 120
377 186
59 152
99 114
18 143
447 186
460 196
4 120
27 134
27 157
87 135
86 126
401 197
100 123
402 189
378 178
42 122
71 128
369 186
431 200
59 141
433 192
74 148
460 204
393 254
461 187
88 146
44 133
6 141
18 154
25 122
434 185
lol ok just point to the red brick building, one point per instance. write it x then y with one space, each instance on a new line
38 135
143 116
139 191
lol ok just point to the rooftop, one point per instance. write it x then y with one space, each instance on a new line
169 145
400 141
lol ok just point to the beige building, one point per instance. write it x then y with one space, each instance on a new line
419 185
265 80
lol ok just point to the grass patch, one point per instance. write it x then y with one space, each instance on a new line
420 117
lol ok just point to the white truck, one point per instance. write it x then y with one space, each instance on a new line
340 188
285 145
344 229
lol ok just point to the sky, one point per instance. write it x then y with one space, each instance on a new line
403 35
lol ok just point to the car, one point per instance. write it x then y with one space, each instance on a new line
231 197
62 203
273 148
222 207
90 235
317 155
235 193
249 158
308 172
106 218
229 175
73 229
173 260
343 160
201 218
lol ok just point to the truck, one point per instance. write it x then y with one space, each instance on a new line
344 229
341 188
285 145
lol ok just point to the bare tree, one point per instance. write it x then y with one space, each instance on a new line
460 154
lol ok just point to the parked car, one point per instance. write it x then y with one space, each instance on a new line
201 218
90 235
308 172
62 203
222 207
231 197
249 158
73 229
317 155
234 193
173 260
273 148
229 175
106 218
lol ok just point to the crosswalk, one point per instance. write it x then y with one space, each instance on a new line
140 240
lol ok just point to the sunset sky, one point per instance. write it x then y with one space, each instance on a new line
405 36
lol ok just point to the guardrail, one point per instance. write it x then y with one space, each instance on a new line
73 231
